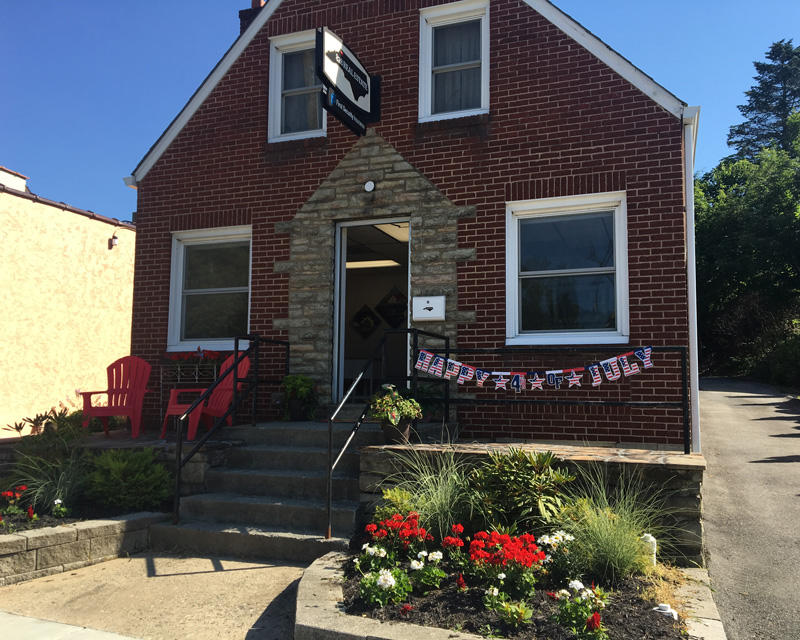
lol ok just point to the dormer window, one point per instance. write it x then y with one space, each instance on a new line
454 60
295 110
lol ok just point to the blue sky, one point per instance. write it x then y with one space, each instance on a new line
87 86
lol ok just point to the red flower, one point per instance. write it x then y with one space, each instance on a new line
460 582
371 528
552 595
593 622
22 487
405 609
450 541
7 494
30 512
457 529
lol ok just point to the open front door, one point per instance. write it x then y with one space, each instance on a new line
372 296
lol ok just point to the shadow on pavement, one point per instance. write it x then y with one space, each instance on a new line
779 459
277 621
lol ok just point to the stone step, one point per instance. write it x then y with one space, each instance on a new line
286 483
242 541
294 458
272 511
303 434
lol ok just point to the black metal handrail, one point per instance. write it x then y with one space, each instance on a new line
249 387
368 365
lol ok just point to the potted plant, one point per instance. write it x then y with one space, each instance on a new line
299 397
395 413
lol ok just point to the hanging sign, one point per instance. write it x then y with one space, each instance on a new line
349 92
610 370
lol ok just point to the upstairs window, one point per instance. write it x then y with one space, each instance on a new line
454 60
567 271
295 109
210 288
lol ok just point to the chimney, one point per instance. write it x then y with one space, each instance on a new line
246 16
13 180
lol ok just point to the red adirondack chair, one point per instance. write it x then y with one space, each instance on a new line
127 384
214 407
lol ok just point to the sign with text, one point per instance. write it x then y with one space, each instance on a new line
349 92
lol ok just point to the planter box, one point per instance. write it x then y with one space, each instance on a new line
42 552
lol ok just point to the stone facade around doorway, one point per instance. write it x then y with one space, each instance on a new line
400 192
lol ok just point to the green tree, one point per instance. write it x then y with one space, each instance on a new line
770 102
748 265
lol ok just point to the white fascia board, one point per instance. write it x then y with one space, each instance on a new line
691 117
606 54
205 89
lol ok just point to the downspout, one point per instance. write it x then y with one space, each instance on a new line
691 116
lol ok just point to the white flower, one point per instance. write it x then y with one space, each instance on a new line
416 565
575 585
562 593
546 540
587 594
57 501
435 556
385 579
381 552
547 558
365 546
422 554
371 551
501 576
492 592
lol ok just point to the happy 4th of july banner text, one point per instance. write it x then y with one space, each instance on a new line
608 370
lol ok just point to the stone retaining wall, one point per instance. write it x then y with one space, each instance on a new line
42 552
678 476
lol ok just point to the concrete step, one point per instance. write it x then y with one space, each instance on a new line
271 511
282 482
294 458
303 434
242 541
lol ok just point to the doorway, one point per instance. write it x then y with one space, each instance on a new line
372 286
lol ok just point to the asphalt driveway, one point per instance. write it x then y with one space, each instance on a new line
751 498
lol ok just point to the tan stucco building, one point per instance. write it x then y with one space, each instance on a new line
66 286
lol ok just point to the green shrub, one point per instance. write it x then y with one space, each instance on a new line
394 500
437 484
608 518
50 479
128 480
519 491
52 463
779 366
300 400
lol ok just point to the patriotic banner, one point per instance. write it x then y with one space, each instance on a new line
613 369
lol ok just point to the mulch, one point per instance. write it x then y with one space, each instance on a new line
21 522
627 616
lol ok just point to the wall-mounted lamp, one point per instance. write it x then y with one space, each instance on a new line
113 241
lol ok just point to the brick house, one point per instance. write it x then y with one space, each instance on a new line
521 170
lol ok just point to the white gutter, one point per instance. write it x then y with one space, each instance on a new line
131 182
691 117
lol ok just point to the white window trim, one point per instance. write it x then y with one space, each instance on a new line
449 14
516 211
279 45
181 239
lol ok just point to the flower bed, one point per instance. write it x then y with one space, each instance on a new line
492 584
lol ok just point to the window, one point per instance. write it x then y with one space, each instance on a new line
454 60
566 271
295 108
210 288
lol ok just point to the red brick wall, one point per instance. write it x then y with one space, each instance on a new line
561 123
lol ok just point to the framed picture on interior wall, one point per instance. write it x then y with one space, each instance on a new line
393 308
365 321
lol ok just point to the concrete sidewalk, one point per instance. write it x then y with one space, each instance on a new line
156 596
24 628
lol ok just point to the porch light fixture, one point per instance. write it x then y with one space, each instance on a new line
113 241
371 264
